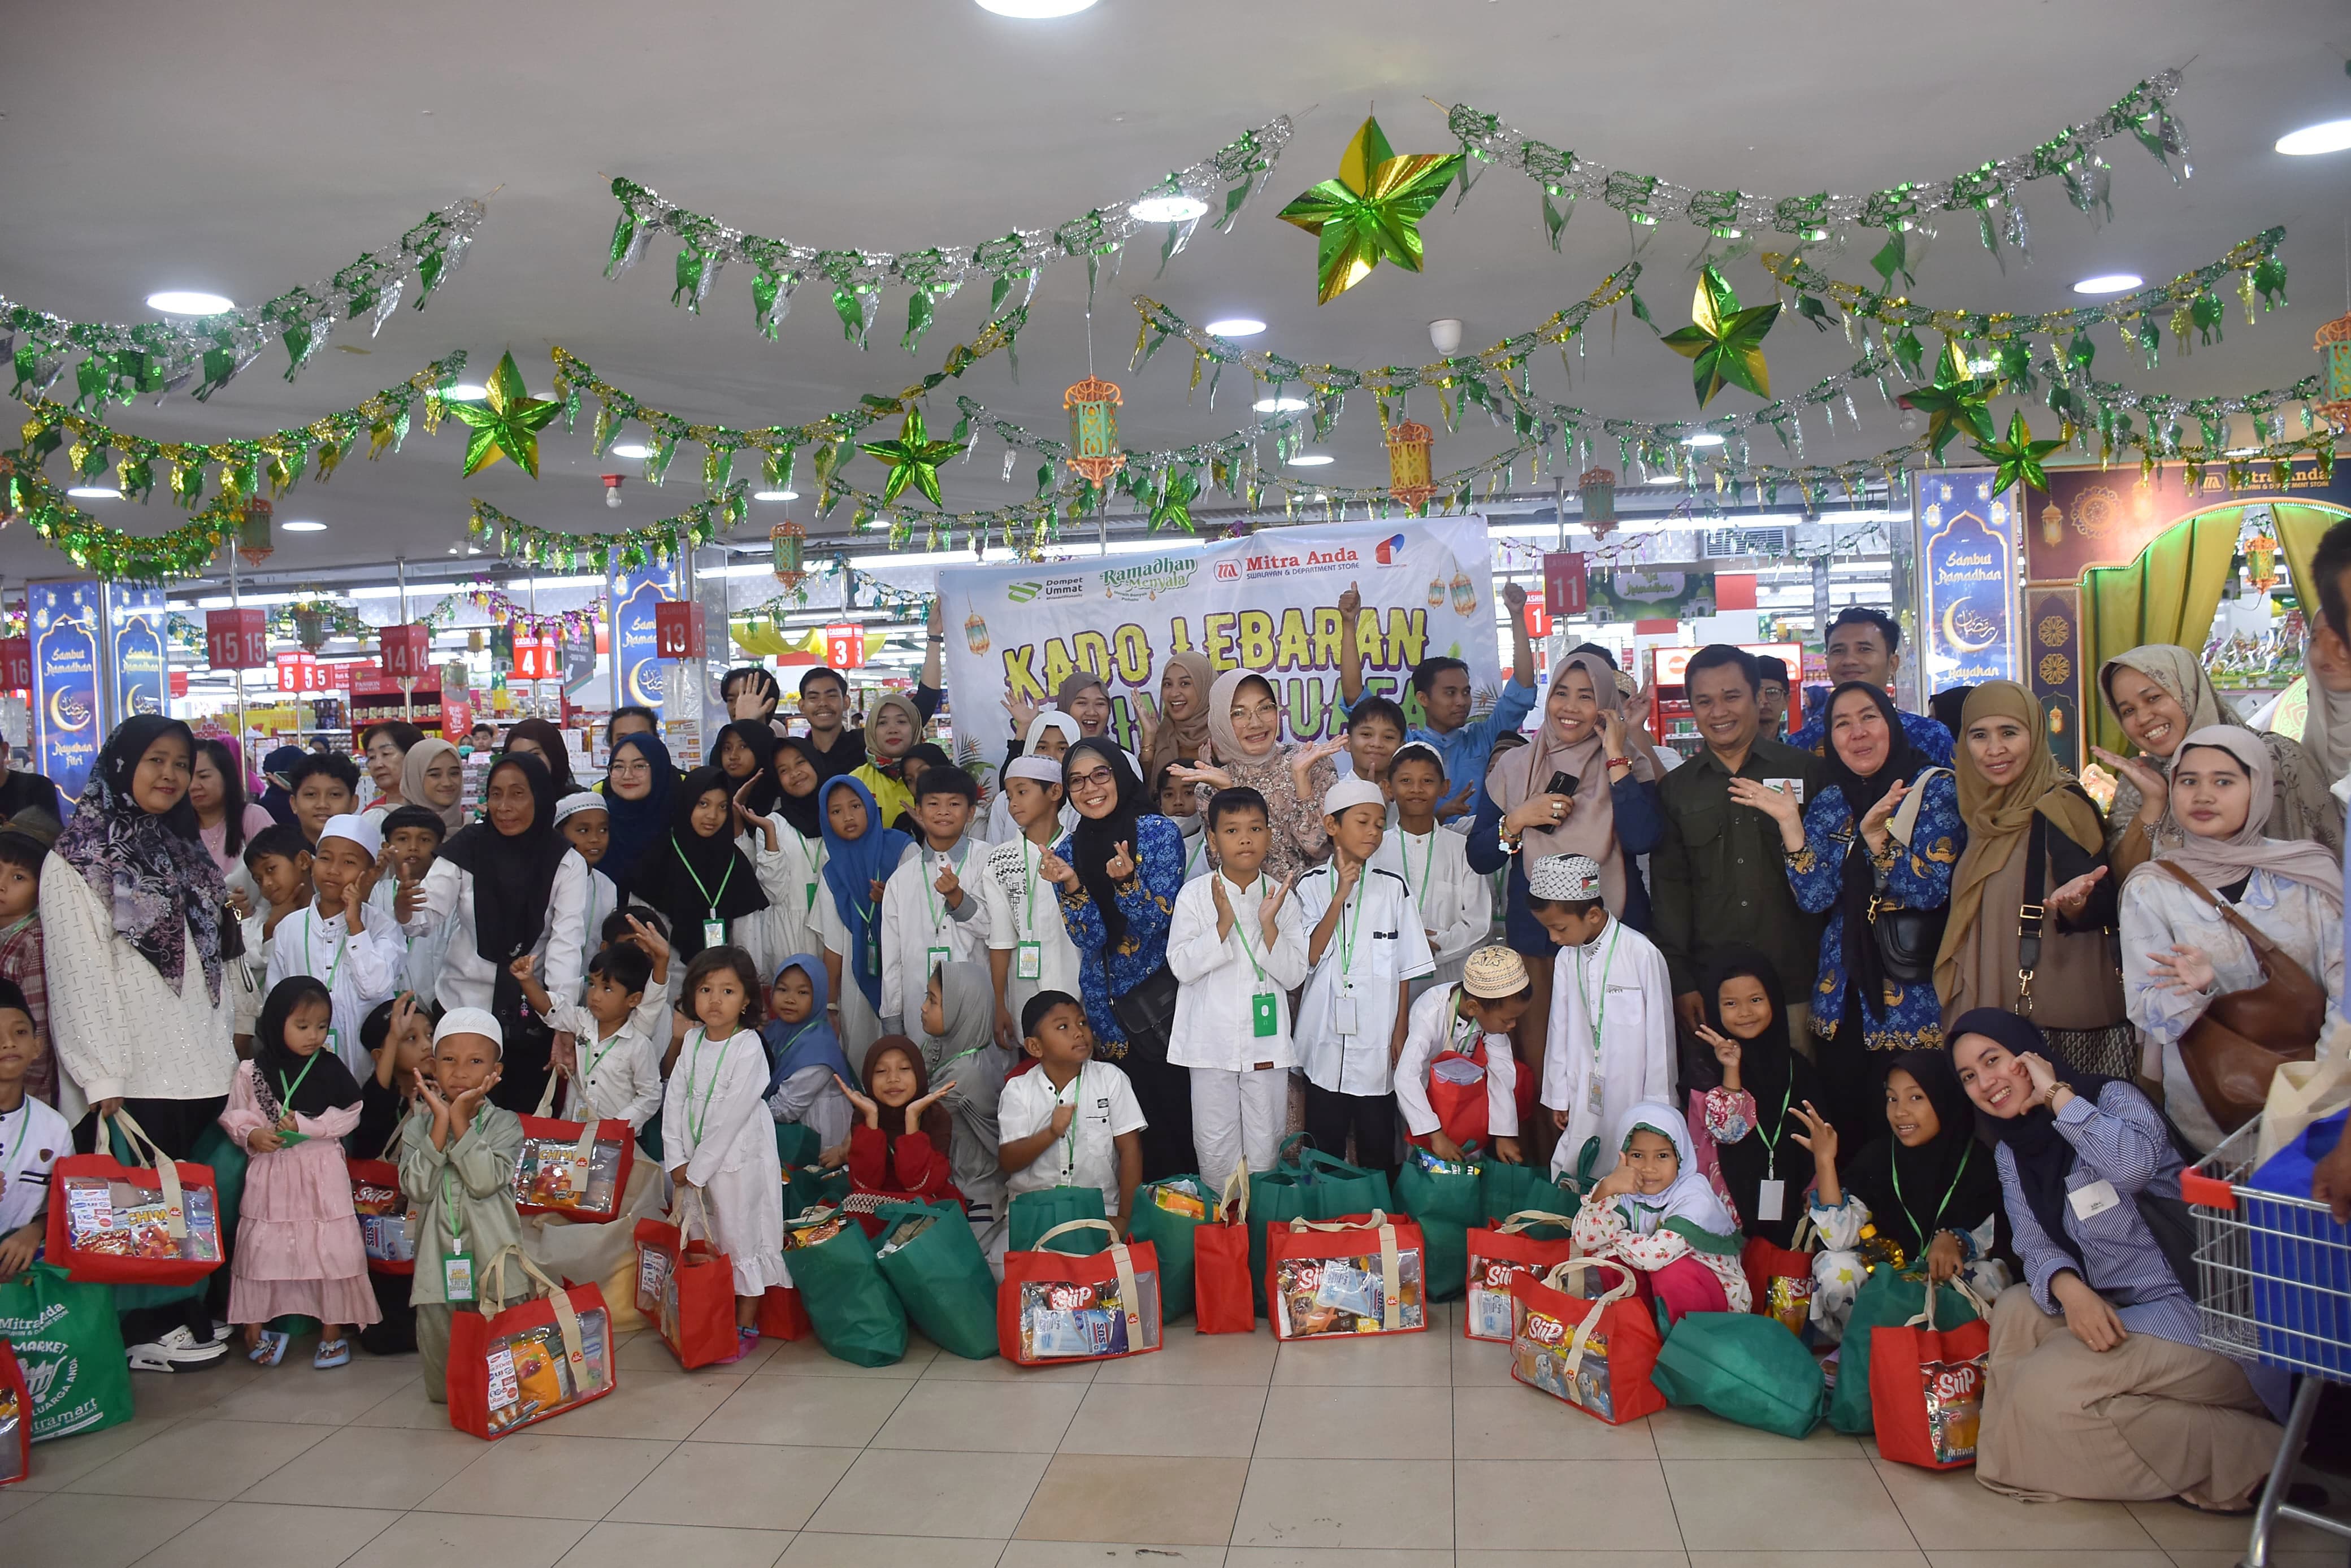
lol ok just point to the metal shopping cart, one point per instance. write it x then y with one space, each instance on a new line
2274 1285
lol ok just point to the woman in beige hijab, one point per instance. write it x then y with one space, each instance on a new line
2160 694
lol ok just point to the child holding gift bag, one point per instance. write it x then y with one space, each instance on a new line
299 1248
1655 1214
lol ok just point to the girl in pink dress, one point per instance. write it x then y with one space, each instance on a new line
297 1240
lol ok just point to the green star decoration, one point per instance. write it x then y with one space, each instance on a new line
912 457
2019 456
1172 509
1724 343
1957 404
509 425
1372 212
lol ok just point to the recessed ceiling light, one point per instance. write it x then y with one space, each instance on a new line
2327 136
1237 327
775 495
468 392
304 526
1035 10
189 302
108 493
631 449
1279 405
2109 283
1312 460
1702 438
1167 209
2243 451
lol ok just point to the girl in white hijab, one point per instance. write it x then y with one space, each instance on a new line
1656 1215
1001 828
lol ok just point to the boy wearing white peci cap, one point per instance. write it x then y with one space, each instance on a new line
1610 1045
457 1154
355 952
1471 1095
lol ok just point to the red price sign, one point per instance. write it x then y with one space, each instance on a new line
407 651
844 647
677 630
237 638
1566 589
16 664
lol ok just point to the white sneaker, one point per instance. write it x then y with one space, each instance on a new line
177 1351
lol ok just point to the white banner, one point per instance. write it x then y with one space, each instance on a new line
1268 602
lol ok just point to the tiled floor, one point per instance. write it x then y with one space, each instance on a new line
1223 1452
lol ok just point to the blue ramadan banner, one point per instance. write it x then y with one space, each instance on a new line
63 620
141 662
1968 578
637 673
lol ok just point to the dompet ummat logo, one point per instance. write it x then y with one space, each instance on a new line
1150 579
1022 592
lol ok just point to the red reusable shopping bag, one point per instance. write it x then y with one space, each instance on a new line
1457 1092
579 1170
1224 1301
1499 1251
1926 1387
1363 1274
686 1289
550 1353
15 1419
1780 1281
382 1209
154 1223
1057 1307
1596 1353
781 1316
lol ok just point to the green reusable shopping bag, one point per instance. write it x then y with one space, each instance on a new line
1505 1190
942 1278
855 1313
797 1143
70 1348
1171 1233
1887 1299
1034 1213
812 1186
1744 1367
1447 1204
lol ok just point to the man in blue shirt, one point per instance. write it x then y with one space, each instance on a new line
1864 644
1443 687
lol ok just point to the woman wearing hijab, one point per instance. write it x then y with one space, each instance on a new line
1845 861
965 1059
805 1061
277 794
639 780
702 884
2179 953
1245 726
1752 1111
860 854
537 738
894 730
1119 871
1180 733
787 847
2160 694
2033 839
902 1140
1923 1182
518 890
746 753
2098 1385
1658 1216
1051 736
433 775
139 1012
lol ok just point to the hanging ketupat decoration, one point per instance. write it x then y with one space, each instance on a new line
1093 430
1408 481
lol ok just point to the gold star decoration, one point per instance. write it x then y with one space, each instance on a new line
1372 212
1724 343
2019 456
506 423
912 458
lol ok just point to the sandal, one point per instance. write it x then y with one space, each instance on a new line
332 1354
745 1340
268 1350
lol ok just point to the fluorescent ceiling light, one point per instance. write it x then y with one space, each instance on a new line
1237 327
2243 451
1312 460
631 449
1982 367
1167 209
2109 283
468 392
1035 10
775 495
1702 438
95 492
196 302
1279 405
304 526
2327 136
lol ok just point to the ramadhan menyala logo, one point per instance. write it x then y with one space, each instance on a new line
1150 579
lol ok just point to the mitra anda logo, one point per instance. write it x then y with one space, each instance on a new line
1390 551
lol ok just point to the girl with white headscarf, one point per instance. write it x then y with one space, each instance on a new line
1001 828
1657 1215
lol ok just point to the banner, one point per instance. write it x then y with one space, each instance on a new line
142 663
637 676
67 728
1967 579
1267 602
1645 593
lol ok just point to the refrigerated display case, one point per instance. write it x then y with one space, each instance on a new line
1669 711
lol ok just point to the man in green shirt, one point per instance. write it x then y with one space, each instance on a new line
1721 876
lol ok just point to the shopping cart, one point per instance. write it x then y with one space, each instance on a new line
2274 1274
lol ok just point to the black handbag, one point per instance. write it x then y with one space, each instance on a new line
1907 940
1147 1013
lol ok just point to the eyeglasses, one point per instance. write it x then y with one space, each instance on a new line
1098 779
632 767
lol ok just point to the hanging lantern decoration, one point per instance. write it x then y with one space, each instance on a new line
2261 562
253 540
975 631
1408 445
2334 348
786 546
311 626
1596 488
1093 430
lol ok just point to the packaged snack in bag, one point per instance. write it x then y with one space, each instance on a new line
1182 1195
547 1174
1954 1407
1061 1319
382 1210
809 1230
1541 1352
1319 1296
905 1230
530 1375
1789 1298
1435 1166
114 1218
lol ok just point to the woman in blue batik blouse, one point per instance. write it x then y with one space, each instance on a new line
1861 1014
1119 871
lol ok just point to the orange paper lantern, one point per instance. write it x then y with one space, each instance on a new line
1408 445
1093 429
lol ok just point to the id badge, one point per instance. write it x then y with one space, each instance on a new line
335 1042
873 959
1343 1013
457 1276
932 958
714 934
1264 1020
2089 1202
1028 960
1595 1094
1770 1198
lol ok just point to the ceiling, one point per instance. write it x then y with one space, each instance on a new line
250 145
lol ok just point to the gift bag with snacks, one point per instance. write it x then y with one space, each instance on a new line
1168 1213
1224 1295
1926 1389
1057 1306
686 1286
1744 1368
1887 1296
67 1340
854 1311
1529 1242
1445 1197
153 1223
814 1187
1780 1279
513 1365
382 1209
1307 1183
16 1420
575 1169
1364 1274
1031 1214
933 1262
1578 1337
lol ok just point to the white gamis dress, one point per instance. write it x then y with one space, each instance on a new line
717 1132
